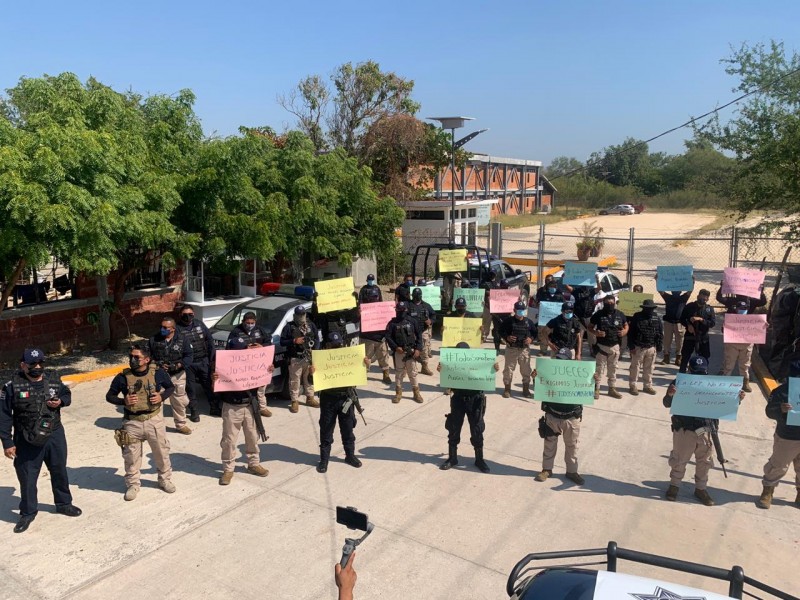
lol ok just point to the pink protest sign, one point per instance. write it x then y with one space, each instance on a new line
376 315
502 301
240 370
744 282
745 329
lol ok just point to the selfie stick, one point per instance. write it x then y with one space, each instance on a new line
350 545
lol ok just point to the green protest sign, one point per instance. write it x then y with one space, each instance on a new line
564 381
467 369
473 296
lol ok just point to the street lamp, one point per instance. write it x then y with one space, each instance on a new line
453 123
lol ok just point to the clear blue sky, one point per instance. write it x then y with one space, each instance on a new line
548 78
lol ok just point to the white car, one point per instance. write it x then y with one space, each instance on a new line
619 209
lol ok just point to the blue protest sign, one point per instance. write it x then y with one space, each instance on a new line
793 416
580 273
548 311
706 396
674 279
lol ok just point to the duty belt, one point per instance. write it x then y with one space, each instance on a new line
573 414
141 416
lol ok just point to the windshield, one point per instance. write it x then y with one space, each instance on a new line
268 319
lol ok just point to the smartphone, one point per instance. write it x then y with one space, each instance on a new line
351 518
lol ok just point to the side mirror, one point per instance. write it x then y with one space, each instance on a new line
625 286
518 272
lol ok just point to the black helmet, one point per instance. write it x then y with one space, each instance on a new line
416 294
401 307
461 302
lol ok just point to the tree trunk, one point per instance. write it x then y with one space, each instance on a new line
114 326
12 282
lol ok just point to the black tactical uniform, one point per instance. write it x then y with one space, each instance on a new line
564 332
699 338
404 333
583 301
645 341
730 302
422 311
674 303
472 404
34 429
255 336
175 354
332 403
203 355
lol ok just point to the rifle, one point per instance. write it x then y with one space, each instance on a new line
714 430
257 415
352 400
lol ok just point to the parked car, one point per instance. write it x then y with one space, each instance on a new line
608 284
273 312
619 209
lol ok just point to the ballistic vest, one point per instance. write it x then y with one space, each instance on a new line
197 338
143 386
565 332
30 407
647 328
167 351
521 329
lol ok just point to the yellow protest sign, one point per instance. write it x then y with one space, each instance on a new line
631 302
335 294
339 367
461 329
452 261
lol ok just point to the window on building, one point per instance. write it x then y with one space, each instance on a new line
472 212
425 215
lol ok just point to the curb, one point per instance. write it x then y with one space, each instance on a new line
77 378
765 379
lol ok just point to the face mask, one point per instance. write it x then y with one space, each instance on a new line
164 331
567 316
608 306
134 364
370 282
249 326
520 313
35 372
409 282
648 311
551 290
186 319
299 319
741 312
701 301
400 314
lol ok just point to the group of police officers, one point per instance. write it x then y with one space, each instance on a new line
177 363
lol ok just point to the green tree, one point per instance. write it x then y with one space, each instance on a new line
563 165
93 175
764 135
626 164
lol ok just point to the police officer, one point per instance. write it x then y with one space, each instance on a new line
489 283
609 326
404 336
645 340
172 352
32 434
691 436
561 419
300 337
374 341
549 292
786 442
565 331
739 353
256 337
423 312
472 404
674 303
402 292
239 412
337 404
497 321
143 388
698 318
462 312
203 355
518 331
583 301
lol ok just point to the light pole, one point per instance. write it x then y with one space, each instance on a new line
453 123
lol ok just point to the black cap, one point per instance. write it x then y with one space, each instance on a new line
564 354
519 305
566 306
334 337
648 304
462 345
698 365
300 310
237 343
421 281
401 307
416 293
249 315
370 276
742 305
461 302
31 356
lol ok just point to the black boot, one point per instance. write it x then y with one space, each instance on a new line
322 467
452 459
352 460
194 416
479 462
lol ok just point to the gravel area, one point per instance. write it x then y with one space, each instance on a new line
79 361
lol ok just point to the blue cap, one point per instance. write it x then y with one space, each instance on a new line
31 356
742 305
698 365
462 345
237 343
300 310
370 276
334 337
401 307
566 306
519 305
564 354
461 302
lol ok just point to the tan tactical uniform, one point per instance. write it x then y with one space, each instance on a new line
686 443
570 429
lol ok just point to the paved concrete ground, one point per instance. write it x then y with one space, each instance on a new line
438 534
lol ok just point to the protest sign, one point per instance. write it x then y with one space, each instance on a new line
339 367
793 416
241 370
432 294
502 301
335 294
674 279
631 302
564 381
471 369
580 273
706 396
473 296
745 329
376 315
743 282
452 261
548 311
461 329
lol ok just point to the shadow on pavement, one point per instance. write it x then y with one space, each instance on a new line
9 502
399 454
106 479
110 423
601 485
281 453
721 497
196 465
